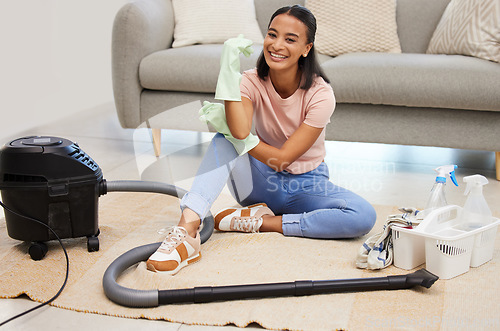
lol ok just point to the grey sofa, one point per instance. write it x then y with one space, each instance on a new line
411 98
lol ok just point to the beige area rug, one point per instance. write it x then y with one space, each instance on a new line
128 220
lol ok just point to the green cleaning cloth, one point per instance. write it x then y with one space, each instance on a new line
215 114
228 83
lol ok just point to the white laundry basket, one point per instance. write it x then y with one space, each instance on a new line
449 250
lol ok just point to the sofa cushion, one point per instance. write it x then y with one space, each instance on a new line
355 26
415 80
214 21
469 27
188 69
417 20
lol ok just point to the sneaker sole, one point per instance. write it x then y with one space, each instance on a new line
223 214
181 265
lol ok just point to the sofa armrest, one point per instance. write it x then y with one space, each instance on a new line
140 28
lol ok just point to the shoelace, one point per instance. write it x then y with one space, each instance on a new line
247 224
173 239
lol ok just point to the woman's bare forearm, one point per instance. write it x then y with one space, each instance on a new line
280 158
238 118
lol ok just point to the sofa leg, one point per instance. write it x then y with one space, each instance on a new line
497 164
156 133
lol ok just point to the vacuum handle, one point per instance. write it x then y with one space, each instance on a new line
224 293
298 288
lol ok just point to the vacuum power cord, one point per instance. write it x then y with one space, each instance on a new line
67 265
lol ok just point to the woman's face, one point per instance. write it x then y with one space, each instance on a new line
285 42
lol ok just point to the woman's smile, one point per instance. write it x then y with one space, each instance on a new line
285 42
277 57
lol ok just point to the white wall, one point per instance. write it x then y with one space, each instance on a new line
55 59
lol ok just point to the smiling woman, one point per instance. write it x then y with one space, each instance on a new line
280 179
286 42
292 29
286 39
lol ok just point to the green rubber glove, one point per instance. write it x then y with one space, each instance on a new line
215 114
228 83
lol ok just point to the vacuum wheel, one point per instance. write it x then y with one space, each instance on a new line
37 250
93 243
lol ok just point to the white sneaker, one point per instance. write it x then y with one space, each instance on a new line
247 219
178 250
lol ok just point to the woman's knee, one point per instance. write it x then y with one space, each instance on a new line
359 219
220 142
219 139
365 219
354 221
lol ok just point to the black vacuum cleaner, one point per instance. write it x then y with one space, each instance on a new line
53 180
50 180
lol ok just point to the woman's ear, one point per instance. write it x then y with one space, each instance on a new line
308 48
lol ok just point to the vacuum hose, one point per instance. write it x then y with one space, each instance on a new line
153 298
156 187
130 297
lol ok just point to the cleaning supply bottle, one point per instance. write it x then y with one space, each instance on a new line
476 212
437 198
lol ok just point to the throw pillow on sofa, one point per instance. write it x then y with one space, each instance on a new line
347 26
214 21
469 27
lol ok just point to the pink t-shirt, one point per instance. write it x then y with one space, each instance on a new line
276 119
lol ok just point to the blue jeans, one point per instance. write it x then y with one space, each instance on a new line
311 206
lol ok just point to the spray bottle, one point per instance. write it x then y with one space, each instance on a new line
476 212
437 197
